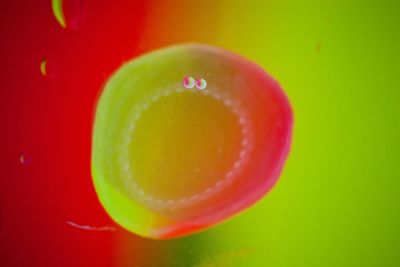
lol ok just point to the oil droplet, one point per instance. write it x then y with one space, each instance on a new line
43 67
188 82
25 159
201 84
69 13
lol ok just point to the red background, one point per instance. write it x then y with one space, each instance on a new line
49 120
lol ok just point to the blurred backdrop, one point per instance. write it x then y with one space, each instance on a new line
337 201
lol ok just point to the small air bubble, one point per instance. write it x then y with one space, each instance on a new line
25 159
201 84
188 82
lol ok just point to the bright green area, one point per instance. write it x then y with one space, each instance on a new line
337 201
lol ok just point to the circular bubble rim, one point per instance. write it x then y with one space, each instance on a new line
150 200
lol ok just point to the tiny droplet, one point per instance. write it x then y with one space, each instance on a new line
69 13
201 84
43 67
188 82
25 159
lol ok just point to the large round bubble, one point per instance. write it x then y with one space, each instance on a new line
169 160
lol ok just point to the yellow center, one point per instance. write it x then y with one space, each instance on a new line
183 144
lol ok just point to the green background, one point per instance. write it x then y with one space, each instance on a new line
337 202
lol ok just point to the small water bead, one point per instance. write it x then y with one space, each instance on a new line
25 159
43 67
201 84
188 82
